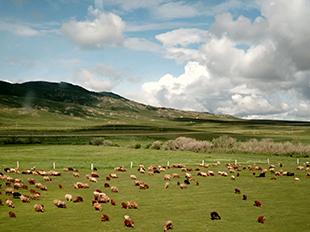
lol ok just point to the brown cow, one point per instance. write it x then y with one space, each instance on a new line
132 204
105 217
11 214
113 202
257 203
261 219
215 215
128 223
244 197
38 208
237 191
124 205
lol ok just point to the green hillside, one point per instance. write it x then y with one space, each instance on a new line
63 109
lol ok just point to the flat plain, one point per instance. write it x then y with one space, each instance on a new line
285 202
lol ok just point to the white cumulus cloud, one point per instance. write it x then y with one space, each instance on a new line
96 32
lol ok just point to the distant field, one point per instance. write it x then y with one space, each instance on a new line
285 202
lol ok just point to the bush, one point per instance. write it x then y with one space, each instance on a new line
224 141
156 145
107 143
97 141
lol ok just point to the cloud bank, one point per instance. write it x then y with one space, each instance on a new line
249 69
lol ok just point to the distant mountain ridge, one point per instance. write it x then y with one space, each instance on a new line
61 102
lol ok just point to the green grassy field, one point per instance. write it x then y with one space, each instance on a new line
285 201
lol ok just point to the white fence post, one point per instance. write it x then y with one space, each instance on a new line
236 162
168 164
92 167
130 164
297 161
17 164
54 166
203 162
268 160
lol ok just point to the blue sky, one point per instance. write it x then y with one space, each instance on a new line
249 59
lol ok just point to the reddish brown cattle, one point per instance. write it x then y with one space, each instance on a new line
215 215
78 199
106 185
244 197
197 182
132 204
261 219
128 223
105 217
12 215
60 186
124 205
237 191
257 203
113 202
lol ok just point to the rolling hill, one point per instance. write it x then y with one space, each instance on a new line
46 105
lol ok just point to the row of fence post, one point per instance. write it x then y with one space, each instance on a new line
131 164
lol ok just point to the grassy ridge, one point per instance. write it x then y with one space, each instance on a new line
285 202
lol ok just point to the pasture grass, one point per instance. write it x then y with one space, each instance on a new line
285 202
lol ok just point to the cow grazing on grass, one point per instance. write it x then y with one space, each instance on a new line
114 189
9 203
106 185
261 219
215 215
167 177
244 197
38 208
60 186
46 178
9 191
176 175
186 181
132 204
24 199
113 175
168 226
237 191
183 186
60 204
68 197
128 223
124 205
78 199
133 177
12 215
31 181
166 185
258 204
16 195
113 202
97 206
297 179
105 217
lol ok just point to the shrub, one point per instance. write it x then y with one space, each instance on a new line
224 141
97 141
187 144
107 143
156 145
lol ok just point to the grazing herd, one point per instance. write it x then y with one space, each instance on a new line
101 198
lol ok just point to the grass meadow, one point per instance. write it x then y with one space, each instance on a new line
285 202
